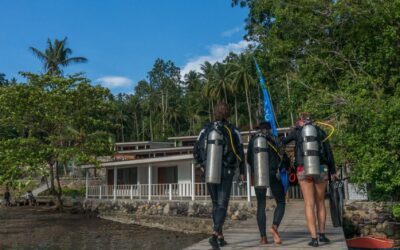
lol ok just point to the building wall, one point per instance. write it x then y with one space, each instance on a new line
185 172
143 175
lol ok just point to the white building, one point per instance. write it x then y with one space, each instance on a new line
153 170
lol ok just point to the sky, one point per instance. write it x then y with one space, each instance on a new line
121 39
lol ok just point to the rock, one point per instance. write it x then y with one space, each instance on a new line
364 231
166 210
351 208
191 209
379 235
356 218
379 227
236 215
388 228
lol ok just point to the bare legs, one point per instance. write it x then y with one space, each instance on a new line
320 203
314 194
307 187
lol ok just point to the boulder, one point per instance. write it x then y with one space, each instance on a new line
166 210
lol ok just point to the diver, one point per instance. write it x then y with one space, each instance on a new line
218 150
261 142
314 162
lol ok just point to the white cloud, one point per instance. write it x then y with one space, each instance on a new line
231 32
217 53
114 81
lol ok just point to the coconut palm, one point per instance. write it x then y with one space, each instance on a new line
221 78
208 93
241 73
56 55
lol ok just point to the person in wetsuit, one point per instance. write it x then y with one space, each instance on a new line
233 155
275 162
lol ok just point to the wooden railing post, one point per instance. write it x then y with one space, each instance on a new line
149 169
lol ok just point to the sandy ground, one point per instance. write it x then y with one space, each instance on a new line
43 228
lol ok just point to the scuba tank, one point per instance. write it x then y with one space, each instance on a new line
311 150
215 144
261 162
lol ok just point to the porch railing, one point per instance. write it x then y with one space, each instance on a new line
172 191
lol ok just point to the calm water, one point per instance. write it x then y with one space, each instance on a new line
40 228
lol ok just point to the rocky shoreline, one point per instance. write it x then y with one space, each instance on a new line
375 219
183 216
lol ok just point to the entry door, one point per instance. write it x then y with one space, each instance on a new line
110 177
167 175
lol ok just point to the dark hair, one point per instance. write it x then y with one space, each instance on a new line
221 111
264 125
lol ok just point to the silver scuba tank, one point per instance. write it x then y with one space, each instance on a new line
214 156
261 162
311 150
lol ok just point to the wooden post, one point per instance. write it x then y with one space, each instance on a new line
248 182
115 184
170 191
193 181
87 183
149 169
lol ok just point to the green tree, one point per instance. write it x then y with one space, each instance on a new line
341 61
55 120
56 55
242 78
165 81
3 80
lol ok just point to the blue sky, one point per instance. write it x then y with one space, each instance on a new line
121 38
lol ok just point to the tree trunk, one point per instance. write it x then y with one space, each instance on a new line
209 111
151 129
142 127
212 108
137 128
290 102
225 95
163 113
166 112
59 192
236 113
65 169
122 132
51 172
248 106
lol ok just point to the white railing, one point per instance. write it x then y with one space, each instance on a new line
172 191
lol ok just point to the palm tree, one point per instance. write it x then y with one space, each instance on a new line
242 76
208 93
221 79
56 55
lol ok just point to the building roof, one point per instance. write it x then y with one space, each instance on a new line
193 137
167 160
135 143
156 150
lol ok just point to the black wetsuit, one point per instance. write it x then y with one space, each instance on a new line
275 184
326 155
220 193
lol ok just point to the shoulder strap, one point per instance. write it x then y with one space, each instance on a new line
230 137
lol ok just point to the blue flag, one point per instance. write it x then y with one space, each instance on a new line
268 109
